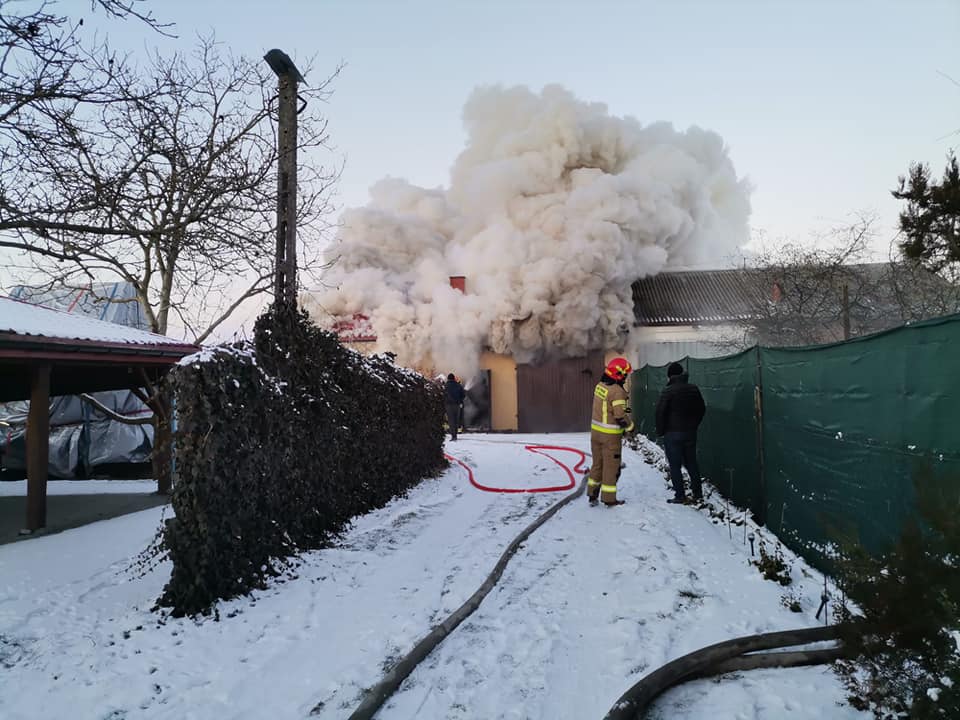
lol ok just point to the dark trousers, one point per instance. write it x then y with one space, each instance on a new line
681 449
453 419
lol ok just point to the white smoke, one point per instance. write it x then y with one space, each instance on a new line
554 209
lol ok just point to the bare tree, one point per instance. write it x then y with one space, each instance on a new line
171 187
806 286
46 76
827 293
918 292
43 60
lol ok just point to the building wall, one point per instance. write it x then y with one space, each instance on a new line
662 345
503 382
503 390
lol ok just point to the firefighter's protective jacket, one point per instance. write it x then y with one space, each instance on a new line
610 414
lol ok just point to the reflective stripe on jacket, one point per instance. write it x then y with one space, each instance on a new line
610 412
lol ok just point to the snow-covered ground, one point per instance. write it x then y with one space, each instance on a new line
14 488
595 599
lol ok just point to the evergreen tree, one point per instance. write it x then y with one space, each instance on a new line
931 221
902 615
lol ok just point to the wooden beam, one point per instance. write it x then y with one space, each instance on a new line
38 447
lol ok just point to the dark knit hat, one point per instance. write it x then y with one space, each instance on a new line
675 369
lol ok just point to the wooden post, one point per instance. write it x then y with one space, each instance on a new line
38 447
845 290
761 515
285 289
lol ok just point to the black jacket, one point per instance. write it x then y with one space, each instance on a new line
455 392
680 407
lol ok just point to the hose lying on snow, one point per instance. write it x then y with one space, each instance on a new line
759 661
375 697
722 657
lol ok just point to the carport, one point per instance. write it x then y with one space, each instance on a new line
45 352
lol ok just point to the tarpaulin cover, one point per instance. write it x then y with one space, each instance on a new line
111 302
846 429
81 436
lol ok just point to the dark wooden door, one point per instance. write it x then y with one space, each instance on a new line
556 396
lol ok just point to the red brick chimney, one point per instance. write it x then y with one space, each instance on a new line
458 282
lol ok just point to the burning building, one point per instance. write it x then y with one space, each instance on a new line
553 210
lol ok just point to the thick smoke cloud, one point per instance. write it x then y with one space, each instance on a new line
554 208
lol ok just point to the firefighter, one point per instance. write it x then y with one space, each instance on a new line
610 420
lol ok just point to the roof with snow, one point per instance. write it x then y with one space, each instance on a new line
114 302
85 354
25 319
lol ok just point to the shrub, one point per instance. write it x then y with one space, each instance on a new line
773 566
279 443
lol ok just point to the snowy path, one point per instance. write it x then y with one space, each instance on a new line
596 597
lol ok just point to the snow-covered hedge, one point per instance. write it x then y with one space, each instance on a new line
279 443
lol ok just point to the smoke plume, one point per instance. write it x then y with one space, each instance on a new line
554 208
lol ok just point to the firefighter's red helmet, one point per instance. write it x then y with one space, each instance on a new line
618 369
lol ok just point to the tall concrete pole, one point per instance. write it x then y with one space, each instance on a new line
285 283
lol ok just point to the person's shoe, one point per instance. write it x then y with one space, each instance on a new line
593 501
682 500
615 503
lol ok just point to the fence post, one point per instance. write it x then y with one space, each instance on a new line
758 415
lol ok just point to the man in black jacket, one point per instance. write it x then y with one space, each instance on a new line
454 395
680 410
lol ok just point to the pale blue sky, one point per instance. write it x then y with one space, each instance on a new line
822 103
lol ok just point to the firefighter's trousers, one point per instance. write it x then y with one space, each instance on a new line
605 470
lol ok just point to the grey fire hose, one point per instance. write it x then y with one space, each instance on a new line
376 696
722 657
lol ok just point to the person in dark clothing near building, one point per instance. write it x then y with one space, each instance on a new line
454 402
680 411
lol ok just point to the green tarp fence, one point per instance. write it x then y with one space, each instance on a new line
823 443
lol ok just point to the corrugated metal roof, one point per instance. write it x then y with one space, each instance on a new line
698 297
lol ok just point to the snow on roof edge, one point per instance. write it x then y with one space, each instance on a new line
19 317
